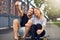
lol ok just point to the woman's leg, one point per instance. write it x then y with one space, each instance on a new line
16 26
42 34
39 26
33 32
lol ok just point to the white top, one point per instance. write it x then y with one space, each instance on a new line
36 21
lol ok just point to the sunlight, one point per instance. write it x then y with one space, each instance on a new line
57 2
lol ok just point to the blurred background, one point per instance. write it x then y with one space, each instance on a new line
50 8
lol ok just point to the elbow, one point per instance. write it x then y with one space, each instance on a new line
27 25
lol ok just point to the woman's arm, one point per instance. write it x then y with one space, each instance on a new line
39 31
20 12
43 27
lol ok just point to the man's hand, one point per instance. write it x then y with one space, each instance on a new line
17 3
39 31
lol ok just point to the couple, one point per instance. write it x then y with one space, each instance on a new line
33 22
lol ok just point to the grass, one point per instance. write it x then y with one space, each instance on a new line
56 23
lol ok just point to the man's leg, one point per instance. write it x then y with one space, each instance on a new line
15 28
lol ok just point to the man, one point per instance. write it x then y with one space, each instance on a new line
19 25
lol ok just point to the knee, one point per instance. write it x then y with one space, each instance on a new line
27 25
39 26
33 26
15 21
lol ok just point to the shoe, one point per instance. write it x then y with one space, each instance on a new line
15 39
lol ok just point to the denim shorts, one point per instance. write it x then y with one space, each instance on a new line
21 31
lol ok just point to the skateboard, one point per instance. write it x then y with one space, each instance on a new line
29 38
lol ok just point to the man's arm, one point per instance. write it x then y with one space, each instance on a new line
28 26
20 12
29 23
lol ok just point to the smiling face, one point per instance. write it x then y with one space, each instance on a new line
30 12
37 12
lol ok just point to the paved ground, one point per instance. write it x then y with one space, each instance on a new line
6 34
52 30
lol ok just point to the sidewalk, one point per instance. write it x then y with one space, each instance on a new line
4 28
52 30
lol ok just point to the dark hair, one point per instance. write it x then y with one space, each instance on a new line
33 10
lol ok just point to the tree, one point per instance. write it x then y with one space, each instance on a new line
53 14
38 3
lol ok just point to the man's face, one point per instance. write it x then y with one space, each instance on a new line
30 11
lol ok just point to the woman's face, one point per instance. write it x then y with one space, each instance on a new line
37 12
30 11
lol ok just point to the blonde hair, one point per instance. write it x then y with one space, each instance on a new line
41 13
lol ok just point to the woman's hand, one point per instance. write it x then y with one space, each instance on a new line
39 31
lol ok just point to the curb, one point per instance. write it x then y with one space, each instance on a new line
5 28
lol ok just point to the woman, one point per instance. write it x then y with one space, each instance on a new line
36 24
19 26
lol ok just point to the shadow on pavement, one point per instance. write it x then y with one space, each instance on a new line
5 31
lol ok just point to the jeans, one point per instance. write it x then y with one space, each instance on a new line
34 35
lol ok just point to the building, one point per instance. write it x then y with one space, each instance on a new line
12 7
7 6
3 6
8 12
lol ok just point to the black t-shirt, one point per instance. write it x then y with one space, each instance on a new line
24 20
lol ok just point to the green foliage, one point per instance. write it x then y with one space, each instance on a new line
53 14
57 23
36 2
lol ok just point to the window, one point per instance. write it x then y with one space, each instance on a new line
4 2
0 11
0 3
3 8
